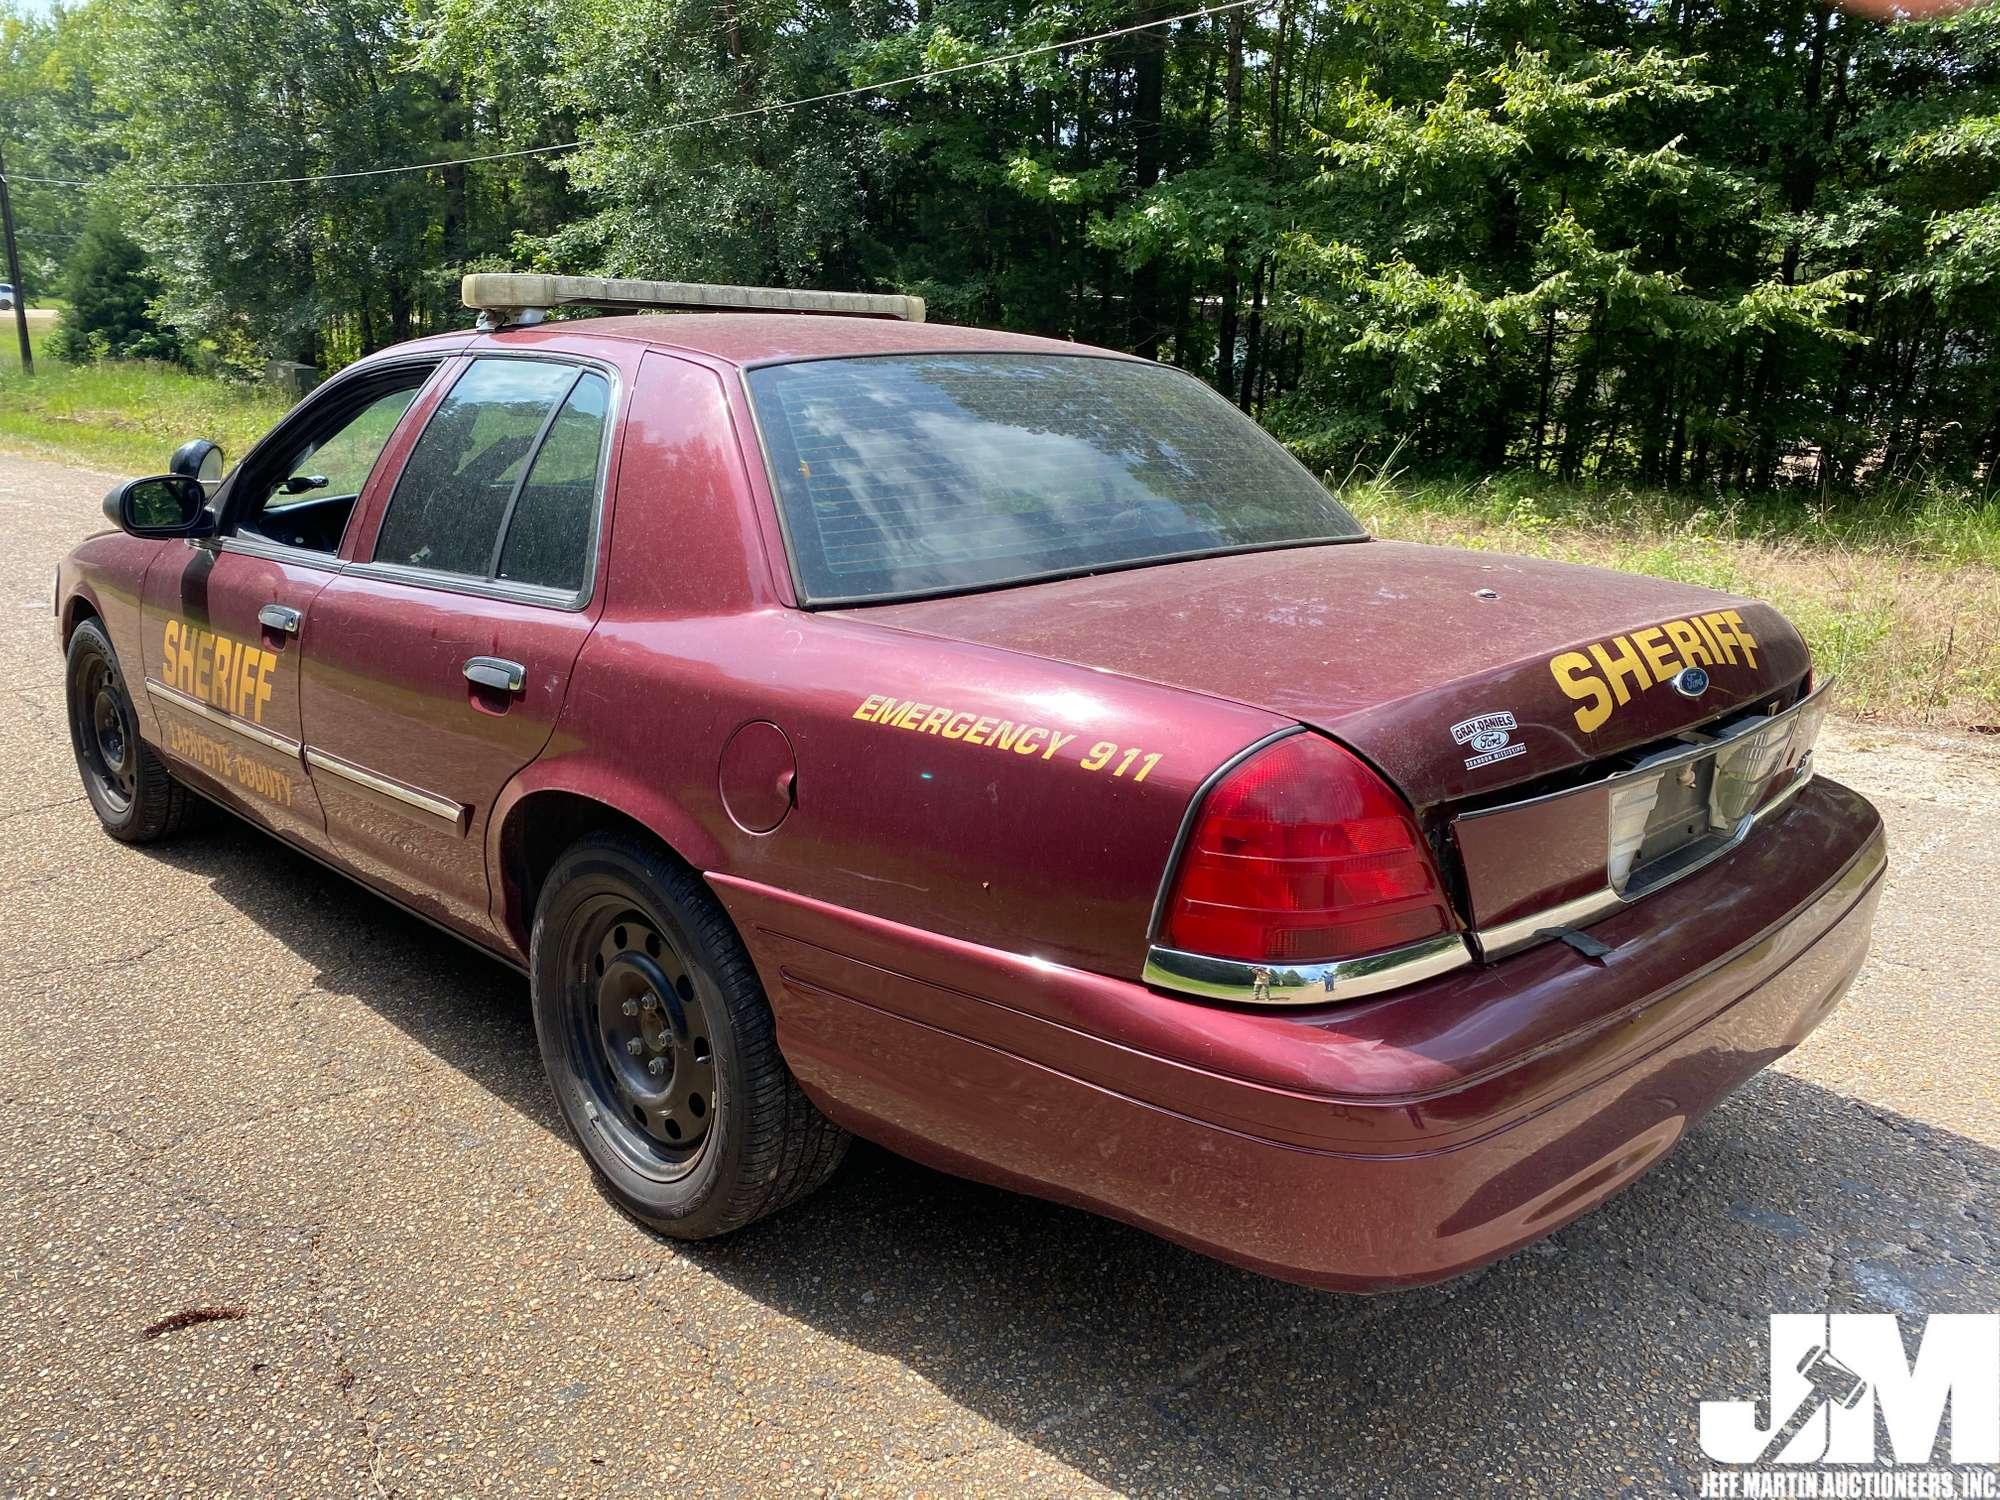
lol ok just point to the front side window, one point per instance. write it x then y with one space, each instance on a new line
304 494
903 475
503 482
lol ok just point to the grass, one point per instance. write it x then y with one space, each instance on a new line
122 417
1898 596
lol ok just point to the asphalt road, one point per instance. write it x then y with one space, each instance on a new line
231 1079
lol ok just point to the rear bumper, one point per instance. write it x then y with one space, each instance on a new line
1382 1143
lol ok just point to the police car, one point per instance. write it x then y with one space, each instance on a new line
993 747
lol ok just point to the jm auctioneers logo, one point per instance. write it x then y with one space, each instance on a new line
1844 1393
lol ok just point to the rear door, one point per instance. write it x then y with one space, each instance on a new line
437 663
223 616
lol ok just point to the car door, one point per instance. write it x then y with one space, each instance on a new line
437 665
222 616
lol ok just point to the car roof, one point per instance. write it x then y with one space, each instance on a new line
755 338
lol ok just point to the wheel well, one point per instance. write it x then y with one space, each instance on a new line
541 826
75 613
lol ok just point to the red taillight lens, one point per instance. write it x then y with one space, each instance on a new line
1303 854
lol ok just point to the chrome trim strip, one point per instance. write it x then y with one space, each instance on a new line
1324 983
441 808
1511 937
216 716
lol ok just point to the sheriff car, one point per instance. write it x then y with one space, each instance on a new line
993 747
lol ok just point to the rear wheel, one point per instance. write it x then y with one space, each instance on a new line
129 787
660 1046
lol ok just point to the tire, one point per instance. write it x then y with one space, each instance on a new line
661 1048
130 789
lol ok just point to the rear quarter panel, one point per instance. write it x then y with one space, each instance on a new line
948 786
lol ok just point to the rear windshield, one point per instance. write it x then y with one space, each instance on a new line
934 473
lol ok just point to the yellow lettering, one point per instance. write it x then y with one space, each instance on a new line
267 671
976 735
872 704
1617 669
956 725
1725 637
1574 677
218 675
1687 641
1099 753
1029 741
934 721
1656 652
1056 742
170 650
1004 737
1743 637
1707 638
910 714
248 661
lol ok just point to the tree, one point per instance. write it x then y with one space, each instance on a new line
111 290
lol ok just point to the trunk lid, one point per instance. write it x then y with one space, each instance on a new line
1458 674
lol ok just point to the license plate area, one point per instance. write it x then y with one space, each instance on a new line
1568 858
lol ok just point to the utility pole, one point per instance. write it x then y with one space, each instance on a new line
14 273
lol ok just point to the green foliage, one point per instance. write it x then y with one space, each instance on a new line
110 290
1723 248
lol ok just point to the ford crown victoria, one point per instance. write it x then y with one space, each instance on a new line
996 748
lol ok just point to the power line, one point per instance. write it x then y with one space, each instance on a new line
1001 60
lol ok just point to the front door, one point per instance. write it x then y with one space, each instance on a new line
437 666
223 617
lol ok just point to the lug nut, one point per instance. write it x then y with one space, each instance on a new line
635 1046
631 1007
651 1002
657 1066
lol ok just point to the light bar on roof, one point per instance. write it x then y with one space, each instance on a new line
504 299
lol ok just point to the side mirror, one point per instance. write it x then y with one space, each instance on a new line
200 459
164 506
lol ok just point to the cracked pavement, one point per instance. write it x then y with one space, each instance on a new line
232 1078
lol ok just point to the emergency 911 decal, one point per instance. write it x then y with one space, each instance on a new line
1618 669
982 731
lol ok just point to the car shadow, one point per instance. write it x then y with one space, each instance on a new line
1576 1365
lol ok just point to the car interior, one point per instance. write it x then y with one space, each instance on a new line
302 494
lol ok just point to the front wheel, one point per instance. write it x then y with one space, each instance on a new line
661 1047
129 787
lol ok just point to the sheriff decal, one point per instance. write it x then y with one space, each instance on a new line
1617 670
230 674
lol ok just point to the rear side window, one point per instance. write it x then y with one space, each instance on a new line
503 481
549 538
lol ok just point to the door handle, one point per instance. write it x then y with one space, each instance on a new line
493 672
280 617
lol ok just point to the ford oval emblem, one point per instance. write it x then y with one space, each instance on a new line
1690 682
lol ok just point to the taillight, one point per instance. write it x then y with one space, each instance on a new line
1300 854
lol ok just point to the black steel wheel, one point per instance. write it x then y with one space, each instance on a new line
643 1040
660 1045
129 787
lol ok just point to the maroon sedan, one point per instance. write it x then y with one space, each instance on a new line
996 748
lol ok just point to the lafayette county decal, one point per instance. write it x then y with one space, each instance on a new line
1490 737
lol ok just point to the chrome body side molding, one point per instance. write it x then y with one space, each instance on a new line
188 703
428 803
